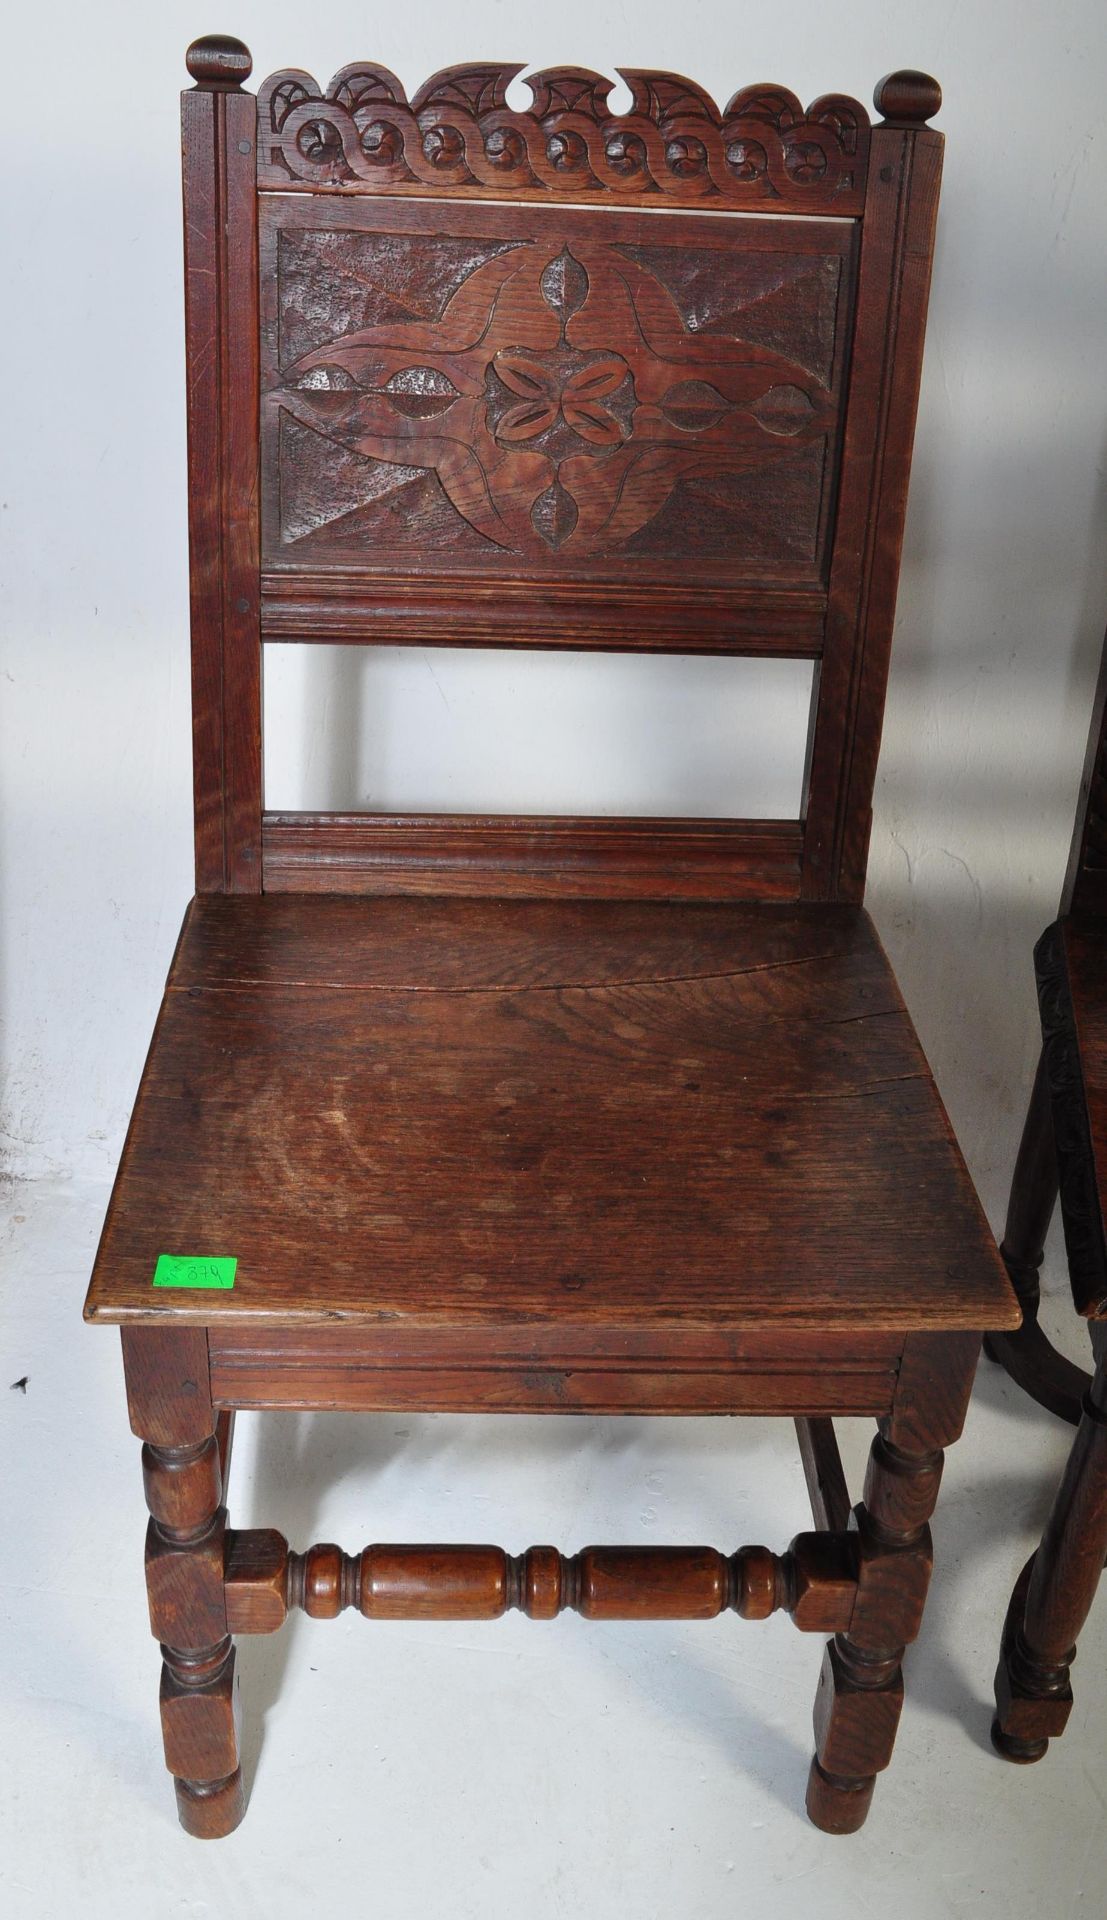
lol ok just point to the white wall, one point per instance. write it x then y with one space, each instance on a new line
1004 593
442 730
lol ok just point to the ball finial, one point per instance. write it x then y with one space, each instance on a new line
218 60
907 99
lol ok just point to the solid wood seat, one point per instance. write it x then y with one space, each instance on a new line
545 1113
468 1116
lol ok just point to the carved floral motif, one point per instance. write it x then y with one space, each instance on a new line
566 389
562 387
459 133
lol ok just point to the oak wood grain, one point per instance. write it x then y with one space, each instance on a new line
402 1113
815 1582
893 288
560 1368
662 1390
531 857
221 301
413 609
601 398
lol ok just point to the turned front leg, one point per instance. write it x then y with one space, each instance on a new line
183 1469
1054 1593
860 1693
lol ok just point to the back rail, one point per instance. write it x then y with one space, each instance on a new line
535 858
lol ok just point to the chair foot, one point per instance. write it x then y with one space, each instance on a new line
1022 1753
1033 1698
210 1809
835 1805
199 1720
200 1732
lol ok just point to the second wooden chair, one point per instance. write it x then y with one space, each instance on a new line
1063 1149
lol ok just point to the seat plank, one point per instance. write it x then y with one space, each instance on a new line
477 1114
287 940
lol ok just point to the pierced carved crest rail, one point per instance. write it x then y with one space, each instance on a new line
458 134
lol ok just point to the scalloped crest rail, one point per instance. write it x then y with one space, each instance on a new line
458 134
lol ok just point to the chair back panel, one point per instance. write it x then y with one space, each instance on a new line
530 401
549 378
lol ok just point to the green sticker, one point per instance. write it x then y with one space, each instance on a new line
186 1270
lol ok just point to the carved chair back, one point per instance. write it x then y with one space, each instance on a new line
461 374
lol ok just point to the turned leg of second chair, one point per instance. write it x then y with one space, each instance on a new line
1030 1358
1033 1198
1054 1594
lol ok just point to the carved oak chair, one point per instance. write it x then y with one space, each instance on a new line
555 1115
1063 1148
